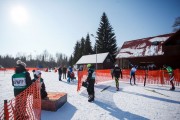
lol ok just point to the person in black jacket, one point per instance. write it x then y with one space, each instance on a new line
91 82
60 73
37 75
64 70
117 73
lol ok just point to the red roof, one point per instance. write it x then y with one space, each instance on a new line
150 46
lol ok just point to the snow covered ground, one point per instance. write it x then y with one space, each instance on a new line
130 103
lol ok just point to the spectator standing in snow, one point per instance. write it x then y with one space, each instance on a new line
21 74
91 82
171 75
37 75
132 74
117 73
21 80
69 74
60 73
64 72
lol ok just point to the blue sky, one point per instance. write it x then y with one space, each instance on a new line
32 26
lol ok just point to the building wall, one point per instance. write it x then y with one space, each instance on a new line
158 61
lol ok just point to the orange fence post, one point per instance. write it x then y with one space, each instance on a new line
79 80
161 76
6 113
22 106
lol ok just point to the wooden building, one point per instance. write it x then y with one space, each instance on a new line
151 52
102 60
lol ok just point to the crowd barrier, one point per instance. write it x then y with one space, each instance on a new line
25 106
142 76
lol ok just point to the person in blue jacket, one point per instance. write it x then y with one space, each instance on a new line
133 73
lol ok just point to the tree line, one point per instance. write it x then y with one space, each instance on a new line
42 60
105 41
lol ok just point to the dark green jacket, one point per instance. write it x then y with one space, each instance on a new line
20 80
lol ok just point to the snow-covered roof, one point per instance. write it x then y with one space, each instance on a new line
151 46
86 59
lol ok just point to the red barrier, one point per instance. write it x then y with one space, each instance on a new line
25 106
151 76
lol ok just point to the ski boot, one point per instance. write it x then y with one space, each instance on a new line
91 98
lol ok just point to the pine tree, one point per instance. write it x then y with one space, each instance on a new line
106 39
82 47
71 61
88 48
77 54
176 25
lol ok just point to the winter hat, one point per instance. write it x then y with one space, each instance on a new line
88 65
21 63
37 72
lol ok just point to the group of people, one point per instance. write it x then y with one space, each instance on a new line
21 79
63 71
117 73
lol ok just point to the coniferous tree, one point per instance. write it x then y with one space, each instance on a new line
176 25
82 47
106 39
9 61
88 48
71 61
77 53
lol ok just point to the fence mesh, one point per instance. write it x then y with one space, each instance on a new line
25 106
150 76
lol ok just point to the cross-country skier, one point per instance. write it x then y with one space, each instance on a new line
171 75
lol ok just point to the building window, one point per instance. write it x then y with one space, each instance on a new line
155 43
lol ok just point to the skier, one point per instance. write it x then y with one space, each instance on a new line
132 73
171 75
117 73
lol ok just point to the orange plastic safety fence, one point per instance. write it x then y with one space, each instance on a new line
25 106
28 69
81 77
151 76
2 69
